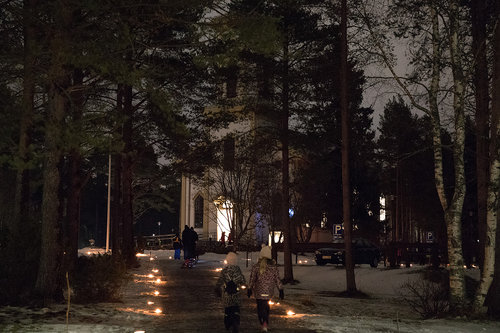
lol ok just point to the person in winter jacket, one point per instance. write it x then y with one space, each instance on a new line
177 244
264 279
228 285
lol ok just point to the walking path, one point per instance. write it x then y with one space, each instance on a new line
189 303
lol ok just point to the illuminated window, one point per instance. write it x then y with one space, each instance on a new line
198 212
224 216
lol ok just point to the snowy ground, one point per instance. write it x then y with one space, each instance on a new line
313 300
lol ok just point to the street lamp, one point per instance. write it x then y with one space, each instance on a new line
159 233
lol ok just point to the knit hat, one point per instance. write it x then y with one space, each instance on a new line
265 252
232 258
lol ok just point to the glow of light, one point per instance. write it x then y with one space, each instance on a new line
382 209
465 266
305 261
243 287
156 293
139 331
150 303
277 303
225 262
224 214
300 261
89 253
158 311
154 270
411 265
151 276
271 302
170 257
158 280
277 237
218 269
151 259
290 313
141 255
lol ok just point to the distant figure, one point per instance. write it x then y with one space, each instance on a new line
223 238
186 241
177 244
230 238
227 287
264 278
92 242
194 235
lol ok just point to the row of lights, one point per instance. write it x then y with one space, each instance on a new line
155 293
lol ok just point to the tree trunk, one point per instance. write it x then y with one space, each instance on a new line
48 284
453 215
75 181
22 191
346 187
127 177
481 84
489 272
285 197
116 205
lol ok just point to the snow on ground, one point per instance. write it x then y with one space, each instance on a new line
313 300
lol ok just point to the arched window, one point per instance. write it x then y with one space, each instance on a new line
198 212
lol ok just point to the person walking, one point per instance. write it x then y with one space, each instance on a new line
177 245
264 279
227 287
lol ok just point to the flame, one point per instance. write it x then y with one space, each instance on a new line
158 311
158 281
290 313
271 302
156 293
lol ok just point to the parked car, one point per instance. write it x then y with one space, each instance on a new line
364 252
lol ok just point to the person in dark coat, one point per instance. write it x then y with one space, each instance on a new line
228 286
194 239
186 240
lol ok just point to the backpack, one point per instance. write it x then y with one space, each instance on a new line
231 288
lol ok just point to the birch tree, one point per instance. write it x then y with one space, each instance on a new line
489 259
436 24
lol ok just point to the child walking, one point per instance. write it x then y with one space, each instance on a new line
227 287
264 279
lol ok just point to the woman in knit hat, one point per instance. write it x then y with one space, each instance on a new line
227 287
264 279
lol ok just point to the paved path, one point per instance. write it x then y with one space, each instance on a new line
190 304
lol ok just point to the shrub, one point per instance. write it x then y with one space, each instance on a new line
426 297
98 278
